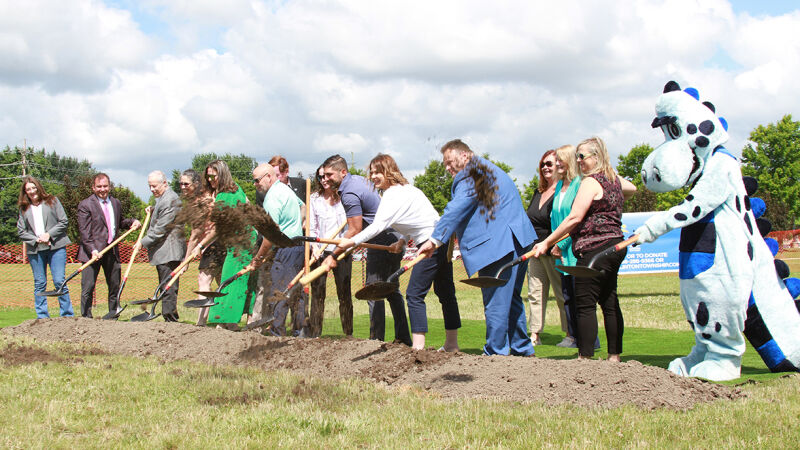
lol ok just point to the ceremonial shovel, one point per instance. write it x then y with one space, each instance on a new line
589 271
60 289
157 296
136 247
495 281
381 289
337 241
211 295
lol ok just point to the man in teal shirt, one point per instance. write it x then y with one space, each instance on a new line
284 208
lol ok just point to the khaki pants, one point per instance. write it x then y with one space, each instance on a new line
542 275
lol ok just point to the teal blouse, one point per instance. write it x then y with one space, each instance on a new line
562 205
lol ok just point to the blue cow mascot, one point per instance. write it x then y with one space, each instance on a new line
730 282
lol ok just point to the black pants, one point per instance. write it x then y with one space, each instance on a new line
589 291
342 275
381 264
169 303
110 265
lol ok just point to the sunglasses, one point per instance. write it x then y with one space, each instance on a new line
546 164
211 177
581 156
256 180
185 184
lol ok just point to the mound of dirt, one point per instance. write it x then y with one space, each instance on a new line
452 375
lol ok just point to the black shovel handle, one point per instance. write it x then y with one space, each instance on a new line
402 270
613 249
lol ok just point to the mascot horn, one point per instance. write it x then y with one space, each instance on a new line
730 283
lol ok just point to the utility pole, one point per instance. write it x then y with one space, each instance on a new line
24 162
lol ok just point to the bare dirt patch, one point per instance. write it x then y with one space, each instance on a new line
450 375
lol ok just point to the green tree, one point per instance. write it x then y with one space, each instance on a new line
774 162
50 168
435 183
528 190
630 166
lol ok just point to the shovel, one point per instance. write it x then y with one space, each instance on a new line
495 281
159 293
589 271
381 289
59 291
337 241
136 247
211 295
319 271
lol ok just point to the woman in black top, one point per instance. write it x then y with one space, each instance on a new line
542 272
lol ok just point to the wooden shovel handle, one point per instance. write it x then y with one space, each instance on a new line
138 245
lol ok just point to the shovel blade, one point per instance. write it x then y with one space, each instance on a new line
114 314
377 291
200 303
258 323
211 294
144 317
579 271
53 293
485 282
146 301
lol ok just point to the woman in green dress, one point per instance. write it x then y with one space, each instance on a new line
229 309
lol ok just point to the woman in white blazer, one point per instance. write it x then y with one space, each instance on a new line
42 226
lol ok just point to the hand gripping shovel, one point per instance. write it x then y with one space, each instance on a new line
381 289
495 281
136 247
285 292
319 271
589 271
159 293
59 291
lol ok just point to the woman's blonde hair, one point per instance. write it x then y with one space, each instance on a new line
597 147
566 154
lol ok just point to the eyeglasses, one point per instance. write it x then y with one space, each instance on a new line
546 164
184 184
256 180
581 156
211 176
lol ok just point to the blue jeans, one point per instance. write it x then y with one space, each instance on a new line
57 260
436 270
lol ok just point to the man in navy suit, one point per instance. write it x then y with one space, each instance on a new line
492 229
99 222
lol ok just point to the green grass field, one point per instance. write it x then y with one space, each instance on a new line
109 400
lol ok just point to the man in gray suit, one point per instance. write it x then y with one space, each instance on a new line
165 245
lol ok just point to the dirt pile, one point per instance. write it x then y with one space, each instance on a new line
450 375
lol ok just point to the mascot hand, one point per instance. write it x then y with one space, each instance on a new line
645 235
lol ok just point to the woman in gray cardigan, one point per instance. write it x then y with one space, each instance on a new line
42 226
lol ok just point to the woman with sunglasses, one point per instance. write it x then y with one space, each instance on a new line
42 226
210 267
594 224
228 311
405 208
327 214
542 274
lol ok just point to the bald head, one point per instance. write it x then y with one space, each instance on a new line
264 177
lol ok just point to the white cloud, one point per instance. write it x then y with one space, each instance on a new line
306 79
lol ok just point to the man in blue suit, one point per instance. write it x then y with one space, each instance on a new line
492 229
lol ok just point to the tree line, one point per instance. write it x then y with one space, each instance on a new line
771 157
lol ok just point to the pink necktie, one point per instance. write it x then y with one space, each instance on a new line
107 215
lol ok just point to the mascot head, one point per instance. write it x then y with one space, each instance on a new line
692 132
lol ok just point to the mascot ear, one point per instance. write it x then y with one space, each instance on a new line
710 106
671 86
750 185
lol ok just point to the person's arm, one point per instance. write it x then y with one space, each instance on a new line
60 228
589 189
628 188
25 235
